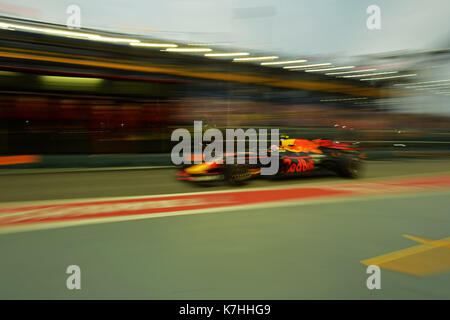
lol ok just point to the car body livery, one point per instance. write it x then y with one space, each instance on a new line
297 157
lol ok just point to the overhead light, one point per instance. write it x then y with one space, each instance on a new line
308 65
346 72
383 78
369 74
5 26
425 82
255 58
188 49
47 30
59 32
329 69
283 62
154 45
429 86
110 39
229 54
344 99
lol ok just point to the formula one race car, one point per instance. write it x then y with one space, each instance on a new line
297 157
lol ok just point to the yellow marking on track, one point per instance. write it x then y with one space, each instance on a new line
431 257
443 242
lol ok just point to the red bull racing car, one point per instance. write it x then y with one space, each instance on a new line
297 157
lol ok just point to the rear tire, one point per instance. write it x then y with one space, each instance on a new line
349 168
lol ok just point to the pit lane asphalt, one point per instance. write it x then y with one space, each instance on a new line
308 251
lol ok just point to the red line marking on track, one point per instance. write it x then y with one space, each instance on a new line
70 210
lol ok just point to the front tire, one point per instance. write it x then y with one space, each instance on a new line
236 175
